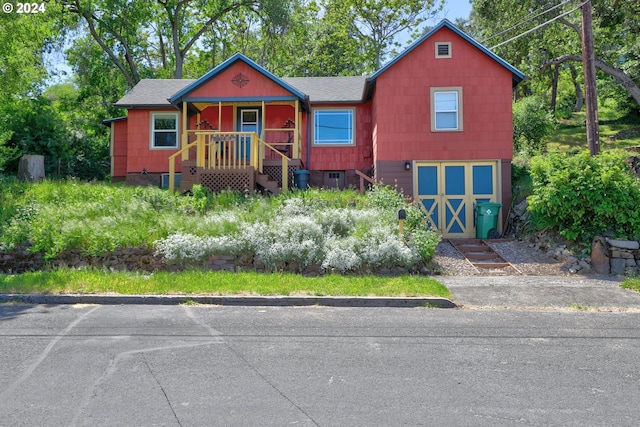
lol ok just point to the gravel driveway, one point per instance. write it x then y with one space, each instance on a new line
527 259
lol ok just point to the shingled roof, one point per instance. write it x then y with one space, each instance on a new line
330 89
152 93
155 93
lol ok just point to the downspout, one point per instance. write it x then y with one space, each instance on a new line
308 154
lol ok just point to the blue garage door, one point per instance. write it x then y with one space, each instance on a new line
449 190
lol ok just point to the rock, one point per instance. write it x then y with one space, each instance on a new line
621 253
600 255
521 208
618 266
624 244
31 168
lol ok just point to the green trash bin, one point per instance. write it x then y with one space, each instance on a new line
487 220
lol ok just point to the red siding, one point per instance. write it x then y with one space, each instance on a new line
359 156
402 105
140 155
119 149
222 86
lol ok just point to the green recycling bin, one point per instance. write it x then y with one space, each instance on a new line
487 220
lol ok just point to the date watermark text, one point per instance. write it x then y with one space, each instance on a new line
24 8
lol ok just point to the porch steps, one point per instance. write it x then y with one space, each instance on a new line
480 255
268 183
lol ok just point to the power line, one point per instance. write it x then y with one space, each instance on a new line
526 20
540 26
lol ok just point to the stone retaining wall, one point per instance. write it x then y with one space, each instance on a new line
615 256
144 259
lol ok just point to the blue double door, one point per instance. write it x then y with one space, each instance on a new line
448 192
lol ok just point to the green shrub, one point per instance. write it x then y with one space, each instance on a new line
532 121
583 195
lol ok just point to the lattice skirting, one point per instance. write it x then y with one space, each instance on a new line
218 180
275 172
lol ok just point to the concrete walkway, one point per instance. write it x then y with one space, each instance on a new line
582 292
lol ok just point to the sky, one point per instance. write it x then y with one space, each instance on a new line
454 9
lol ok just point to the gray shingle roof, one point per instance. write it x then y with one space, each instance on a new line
152 93
156 92
330 89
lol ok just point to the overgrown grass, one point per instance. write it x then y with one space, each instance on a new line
99 217
339 231
616 131
632 283
68 281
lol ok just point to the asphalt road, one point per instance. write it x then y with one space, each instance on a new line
136 365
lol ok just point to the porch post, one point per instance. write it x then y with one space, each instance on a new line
296 140
264 117
185 136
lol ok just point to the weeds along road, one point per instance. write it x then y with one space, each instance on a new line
206 365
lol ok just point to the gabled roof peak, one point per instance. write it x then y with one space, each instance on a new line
518 76
177 98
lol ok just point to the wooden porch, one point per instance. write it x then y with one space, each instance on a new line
218 157
232 160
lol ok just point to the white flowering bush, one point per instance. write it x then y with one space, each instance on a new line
296 239
181 247
381 247
296 232
339 222
340 255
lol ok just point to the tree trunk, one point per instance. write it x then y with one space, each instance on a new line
579 95
554 88
616 73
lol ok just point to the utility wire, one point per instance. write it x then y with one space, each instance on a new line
540 26
526 20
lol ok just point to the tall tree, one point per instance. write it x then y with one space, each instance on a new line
141 37
379 22
616 25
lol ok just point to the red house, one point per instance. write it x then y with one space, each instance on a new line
436 121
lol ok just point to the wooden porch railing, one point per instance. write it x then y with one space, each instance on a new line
364 178
227 151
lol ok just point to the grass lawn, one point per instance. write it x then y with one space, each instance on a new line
615 132
68 281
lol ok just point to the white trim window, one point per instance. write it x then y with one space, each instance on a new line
334 126
446 109
164 130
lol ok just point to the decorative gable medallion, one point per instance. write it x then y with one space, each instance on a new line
240 80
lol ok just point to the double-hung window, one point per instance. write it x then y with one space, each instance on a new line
333 126
164 130
446 109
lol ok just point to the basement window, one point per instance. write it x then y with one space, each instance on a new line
443 50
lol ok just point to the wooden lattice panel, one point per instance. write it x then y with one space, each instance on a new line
217 181
275 173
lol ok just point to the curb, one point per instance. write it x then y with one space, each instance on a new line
252 301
